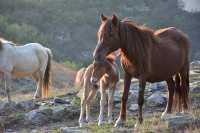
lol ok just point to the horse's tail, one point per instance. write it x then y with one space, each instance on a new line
46 79
79 77
178 93
182 89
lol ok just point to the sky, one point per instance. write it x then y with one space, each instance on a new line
191 5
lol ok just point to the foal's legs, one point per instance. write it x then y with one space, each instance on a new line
171 87
88 102
102 102
83 106
122 116
110 103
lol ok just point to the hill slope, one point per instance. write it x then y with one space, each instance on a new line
69 27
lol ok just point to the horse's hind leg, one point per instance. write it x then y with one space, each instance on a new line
91 95
171 87
8 81
102 103
37 77
110 103
185 86
83 105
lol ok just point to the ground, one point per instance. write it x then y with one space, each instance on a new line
39 116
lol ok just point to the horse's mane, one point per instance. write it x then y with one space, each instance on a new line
139 40
3 41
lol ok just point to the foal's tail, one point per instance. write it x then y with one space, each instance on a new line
46 79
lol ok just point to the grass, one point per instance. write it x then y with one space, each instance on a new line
72 64
151 124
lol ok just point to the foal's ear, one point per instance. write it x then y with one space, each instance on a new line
103 18
114 20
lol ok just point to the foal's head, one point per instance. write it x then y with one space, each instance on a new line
108 38
99 69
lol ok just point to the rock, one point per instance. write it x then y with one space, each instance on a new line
156 99
160 86
60 101
117 97
122 130
195 90
27 105
39 116
118 105
182 122
73 130
6 108
59 113
133 107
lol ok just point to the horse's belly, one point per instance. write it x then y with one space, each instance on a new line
25 67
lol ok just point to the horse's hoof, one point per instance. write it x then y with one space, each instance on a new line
119 123
165 116
81 124
100 123
137 125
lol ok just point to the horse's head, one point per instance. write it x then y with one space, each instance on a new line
99 69
108 39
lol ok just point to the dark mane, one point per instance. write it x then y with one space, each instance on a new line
141 51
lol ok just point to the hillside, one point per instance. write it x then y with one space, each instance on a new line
69 27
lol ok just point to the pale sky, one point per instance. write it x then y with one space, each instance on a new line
191 5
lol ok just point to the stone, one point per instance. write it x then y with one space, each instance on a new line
60 101
6 108
156 99
122 130
59 113
133 107
27 105
195 90
182 121
117 97
160 86
73 130
39 116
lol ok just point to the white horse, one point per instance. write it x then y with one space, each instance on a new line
31 60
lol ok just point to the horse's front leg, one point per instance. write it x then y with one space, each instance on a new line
110 103
91 95
8 81
142 84
102 104
122 116
171 87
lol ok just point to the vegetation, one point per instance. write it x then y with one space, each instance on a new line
69 27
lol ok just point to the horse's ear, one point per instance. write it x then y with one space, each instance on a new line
114 20
102 17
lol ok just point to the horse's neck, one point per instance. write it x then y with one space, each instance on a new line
138 53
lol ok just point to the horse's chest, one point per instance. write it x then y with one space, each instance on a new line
129 67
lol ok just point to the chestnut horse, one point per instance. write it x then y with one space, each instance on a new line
107 75
149 56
